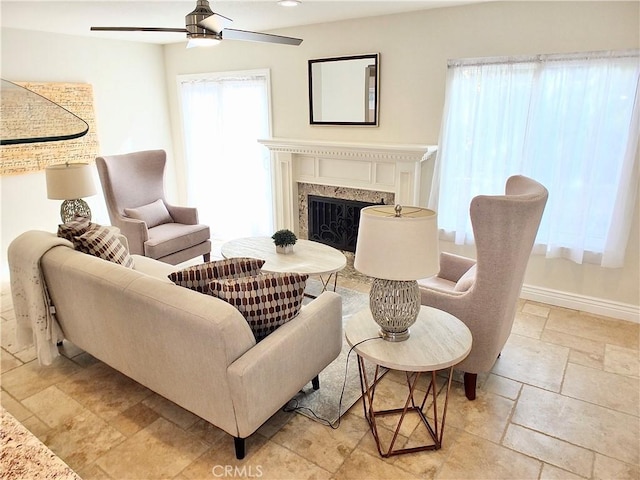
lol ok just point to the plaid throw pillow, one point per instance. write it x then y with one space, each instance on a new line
102 242
75 228
197 277
267 301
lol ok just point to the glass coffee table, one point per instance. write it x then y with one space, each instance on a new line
308 257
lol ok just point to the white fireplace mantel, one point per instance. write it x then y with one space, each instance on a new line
392 168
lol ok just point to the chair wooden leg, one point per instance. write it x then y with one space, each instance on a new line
207 257
470 380
240 447
315 382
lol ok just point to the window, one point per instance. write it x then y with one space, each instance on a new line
568 121
228 173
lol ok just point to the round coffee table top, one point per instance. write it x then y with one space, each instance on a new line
437 340
308 257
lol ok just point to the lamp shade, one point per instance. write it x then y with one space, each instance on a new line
393 247
68 181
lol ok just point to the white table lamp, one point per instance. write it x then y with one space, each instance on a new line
396 246
70 182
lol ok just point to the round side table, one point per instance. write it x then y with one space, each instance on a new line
437 341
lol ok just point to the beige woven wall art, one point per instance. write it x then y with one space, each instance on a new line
33 157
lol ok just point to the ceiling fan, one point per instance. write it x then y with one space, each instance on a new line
205 27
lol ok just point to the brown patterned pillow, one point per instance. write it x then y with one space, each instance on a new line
198 276
267 301
104 243
75 228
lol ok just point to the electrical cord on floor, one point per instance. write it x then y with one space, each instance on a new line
292 405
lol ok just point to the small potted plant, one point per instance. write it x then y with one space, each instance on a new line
284 240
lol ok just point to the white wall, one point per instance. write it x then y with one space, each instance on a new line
414 50
130 107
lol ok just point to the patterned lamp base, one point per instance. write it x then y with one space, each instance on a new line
394 305
74 208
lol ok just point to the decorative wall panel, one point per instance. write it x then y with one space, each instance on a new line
32 157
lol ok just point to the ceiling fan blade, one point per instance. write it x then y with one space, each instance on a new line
232 34
215 23
138 29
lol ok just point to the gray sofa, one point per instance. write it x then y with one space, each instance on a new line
193 349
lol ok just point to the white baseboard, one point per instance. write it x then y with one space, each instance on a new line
596 306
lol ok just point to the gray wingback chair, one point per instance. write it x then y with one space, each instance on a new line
133 186
483 293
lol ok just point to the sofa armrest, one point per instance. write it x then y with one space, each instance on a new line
452 267
184 215
267 376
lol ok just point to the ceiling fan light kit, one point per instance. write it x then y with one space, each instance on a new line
195 41
205 27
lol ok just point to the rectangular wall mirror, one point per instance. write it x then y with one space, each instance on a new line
344 90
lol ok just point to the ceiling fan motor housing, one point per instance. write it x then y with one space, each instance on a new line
192 19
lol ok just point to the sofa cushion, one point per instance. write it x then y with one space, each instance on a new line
153 214
466 281
103 242
74 228
198 277
169 238
267 301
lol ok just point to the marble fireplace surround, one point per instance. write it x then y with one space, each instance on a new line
382 169
344 193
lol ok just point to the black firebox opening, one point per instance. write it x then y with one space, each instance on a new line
334 221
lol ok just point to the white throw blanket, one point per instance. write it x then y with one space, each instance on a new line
35 321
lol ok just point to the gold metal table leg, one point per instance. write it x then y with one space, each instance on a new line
325 283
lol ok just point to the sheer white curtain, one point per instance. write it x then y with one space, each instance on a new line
568 121
228 172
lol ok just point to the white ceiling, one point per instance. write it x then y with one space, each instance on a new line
76 16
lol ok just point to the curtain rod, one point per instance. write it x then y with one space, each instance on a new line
222 79
552 57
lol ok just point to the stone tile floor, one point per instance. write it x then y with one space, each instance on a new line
562 402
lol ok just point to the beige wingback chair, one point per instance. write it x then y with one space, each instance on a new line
133 186
484 293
